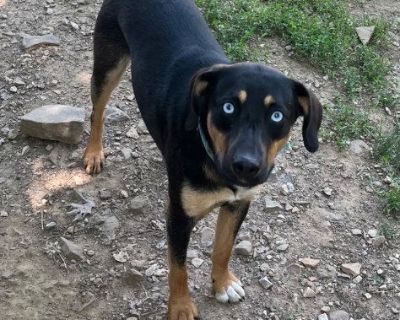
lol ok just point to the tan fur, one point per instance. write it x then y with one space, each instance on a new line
242 95
199 203
269 100
94 156
274 148
217 137
304 102
199 87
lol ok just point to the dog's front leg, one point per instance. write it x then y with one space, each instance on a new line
226 286
179 228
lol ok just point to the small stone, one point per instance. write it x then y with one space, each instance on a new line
357 279
114 114
378 241
121 256
138 204
388 180
127 153
71 250
207 237
367 295
90 253
25 150
339 315
309 262
265 283
380 272
356 232
3 213
74 25
133 276
31 42
50 225
244 248
132 133
323 316
105 194
282 247
373 233
13 89
191 253
309 293
197 262
271 205
395 311
365 34
287 188
12 134
358 147
397 267
54 122
124 194
352 269
109 228
328 191
326 309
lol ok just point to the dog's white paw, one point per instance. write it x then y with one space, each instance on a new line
233 293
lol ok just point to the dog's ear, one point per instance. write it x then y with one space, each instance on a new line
311 109
200 86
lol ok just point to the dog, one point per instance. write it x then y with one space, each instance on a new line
218 125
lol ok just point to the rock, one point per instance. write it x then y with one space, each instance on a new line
244 248
282 247
265 283
13 89
105 194
326 309
124 194
191 253
31 42
50 225
328 191
352 269
373 233
378 241
132 133
207 236
133 276
287 188
137 204
365 34
356 232
3 213
197 262
114 114
339 315
309 262
121 256
309 293
358 147
71 250
109 228
127 153
323 316
54 122
367 295
357 279
271 205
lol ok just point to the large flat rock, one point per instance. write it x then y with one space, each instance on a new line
54 122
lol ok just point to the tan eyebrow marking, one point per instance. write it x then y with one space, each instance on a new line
242 96
269 100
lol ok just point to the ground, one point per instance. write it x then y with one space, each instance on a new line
324 197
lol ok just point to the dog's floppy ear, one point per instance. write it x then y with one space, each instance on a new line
311 109
200 86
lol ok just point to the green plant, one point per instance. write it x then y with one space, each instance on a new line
392 202
388 149
387 231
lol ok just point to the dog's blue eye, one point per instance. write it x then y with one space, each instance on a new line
277 116
229 108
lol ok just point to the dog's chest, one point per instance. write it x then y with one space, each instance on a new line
199 203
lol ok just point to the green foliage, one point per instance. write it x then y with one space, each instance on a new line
392 202
388 148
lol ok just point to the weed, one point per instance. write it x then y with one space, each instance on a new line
388 149
387 231
392 202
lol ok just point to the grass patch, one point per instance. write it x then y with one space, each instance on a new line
392 202
388 149
347 123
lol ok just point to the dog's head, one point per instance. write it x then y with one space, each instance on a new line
246 111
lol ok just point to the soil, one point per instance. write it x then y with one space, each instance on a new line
324 196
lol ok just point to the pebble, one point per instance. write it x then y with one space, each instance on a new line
287 188
197 262
25 150
358 147
13 89
121 256
282 247
71 250
323 316
124 194
244 248
339 315
138 204
265 283
105 194
373 233
54 122
132 133
328 191
114 114
3 213
309 262
352 269
109 228
357 279
356 232
31 42
326 309
367 295
309 293
207 237
50 225
271 205
127 153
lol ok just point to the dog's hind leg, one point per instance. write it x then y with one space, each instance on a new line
111 58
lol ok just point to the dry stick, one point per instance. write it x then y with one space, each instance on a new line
41 219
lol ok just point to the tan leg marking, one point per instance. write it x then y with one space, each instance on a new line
226 286
180 305
94 156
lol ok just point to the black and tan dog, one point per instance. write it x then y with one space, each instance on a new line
218 125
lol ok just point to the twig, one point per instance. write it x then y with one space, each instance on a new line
41 219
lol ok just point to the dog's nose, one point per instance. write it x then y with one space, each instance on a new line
246 165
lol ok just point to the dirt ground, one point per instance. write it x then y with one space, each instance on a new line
324 197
